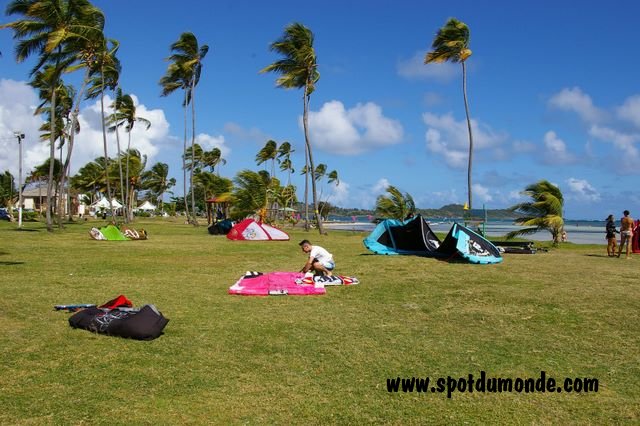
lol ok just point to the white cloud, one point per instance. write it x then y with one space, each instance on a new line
630 110
415 69
89 142
582 190
556 150
380 186
208 142
481 192
628 156
339 194
450 138
577 101
17 103
352 131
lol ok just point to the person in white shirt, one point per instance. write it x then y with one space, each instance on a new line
320 260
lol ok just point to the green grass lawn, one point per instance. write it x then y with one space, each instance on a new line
572 312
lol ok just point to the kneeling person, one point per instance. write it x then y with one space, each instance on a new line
320 260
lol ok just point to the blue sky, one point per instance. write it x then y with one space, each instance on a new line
553 92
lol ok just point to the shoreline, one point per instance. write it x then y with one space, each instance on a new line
576 234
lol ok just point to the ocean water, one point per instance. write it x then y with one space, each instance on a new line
578 232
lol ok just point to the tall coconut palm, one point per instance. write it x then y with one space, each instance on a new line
395 205
175 78
157 180
544 212
268 152
451 44
284 157
194 158
212 159
114 121
128 115
186 59
47 28
104 70
135 163
298 69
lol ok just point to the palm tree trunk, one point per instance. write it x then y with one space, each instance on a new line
184 160
193 150
67 162
310 172
127 199
106 154
52 157
466 108
119 157
306 188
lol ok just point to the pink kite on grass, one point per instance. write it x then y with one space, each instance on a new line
286 283
274 284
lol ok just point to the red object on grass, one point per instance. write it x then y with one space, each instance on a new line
120 301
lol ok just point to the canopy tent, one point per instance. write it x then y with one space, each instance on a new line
415 237
146 207
103 203
250 230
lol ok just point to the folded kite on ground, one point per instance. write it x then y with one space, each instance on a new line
118 318
113 233
285 283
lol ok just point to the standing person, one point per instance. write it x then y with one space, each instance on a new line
320 260
626 232
611 236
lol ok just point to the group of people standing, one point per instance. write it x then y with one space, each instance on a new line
626 234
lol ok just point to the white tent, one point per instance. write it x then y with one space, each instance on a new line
147 207
103 203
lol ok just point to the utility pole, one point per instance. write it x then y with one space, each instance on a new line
18 134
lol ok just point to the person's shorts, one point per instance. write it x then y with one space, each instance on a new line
626 233
328 265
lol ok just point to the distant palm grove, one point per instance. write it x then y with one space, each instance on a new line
67 36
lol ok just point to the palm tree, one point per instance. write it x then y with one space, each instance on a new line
175 78
212 159
48 28
135 164
250 192
298 69
194 158
451 44
284 157
90 178
186 59
544 212
128 115
396 205
268 152
115 121
8 190
157 181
